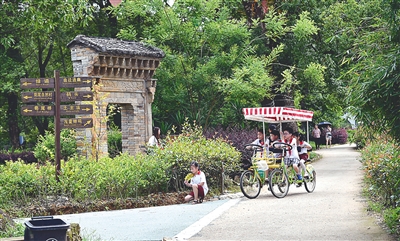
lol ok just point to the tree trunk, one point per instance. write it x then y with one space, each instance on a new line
42 123
12 115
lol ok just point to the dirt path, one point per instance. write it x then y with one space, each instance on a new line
334 211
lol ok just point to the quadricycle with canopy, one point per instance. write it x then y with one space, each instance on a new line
267 165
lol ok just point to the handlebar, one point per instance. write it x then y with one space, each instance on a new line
254 145
285 145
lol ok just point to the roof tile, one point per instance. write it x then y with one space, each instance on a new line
117 46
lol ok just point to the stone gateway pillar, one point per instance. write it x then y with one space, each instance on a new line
125 70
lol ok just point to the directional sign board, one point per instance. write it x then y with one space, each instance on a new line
76 96
37 110
48 96
76 109
48 110
48 83
31 83
71 82
40 96
76 122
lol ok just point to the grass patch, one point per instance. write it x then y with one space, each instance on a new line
16 230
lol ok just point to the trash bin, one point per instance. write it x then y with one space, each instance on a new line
45 228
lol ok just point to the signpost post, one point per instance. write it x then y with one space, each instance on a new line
57 110
57 126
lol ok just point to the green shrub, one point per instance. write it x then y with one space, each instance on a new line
359 136
381 160
214 156
392 217
15 230
114 141
45 147
121 177
351 133
20 182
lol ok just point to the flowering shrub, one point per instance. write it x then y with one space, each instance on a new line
339 136
238 138
360 136
381 161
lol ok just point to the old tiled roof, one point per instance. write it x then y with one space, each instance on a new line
118 47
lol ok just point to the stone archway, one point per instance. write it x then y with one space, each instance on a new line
125 69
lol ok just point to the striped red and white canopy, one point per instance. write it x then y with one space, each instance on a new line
277 114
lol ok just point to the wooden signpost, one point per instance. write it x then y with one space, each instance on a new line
48 103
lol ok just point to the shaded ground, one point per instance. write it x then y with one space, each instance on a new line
64 206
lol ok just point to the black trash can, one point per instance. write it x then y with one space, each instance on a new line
45 228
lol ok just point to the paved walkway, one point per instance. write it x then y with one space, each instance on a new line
334 211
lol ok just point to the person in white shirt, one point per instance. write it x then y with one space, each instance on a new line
155 138
198 183
259 141
274 137
292 156
302 147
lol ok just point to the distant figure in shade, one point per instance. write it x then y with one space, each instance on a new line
316 134
328 136
155 138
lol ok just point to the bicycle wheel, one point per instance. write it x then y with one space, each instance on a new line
279 183
310 181
250 184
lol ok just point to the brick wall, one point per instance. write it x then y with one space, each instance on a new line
126 81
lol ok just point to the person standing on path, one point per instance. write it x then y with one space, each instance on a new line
328 136
316 134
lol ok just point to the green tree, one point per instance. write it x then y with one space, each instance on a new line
216 62
365 35
31 31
